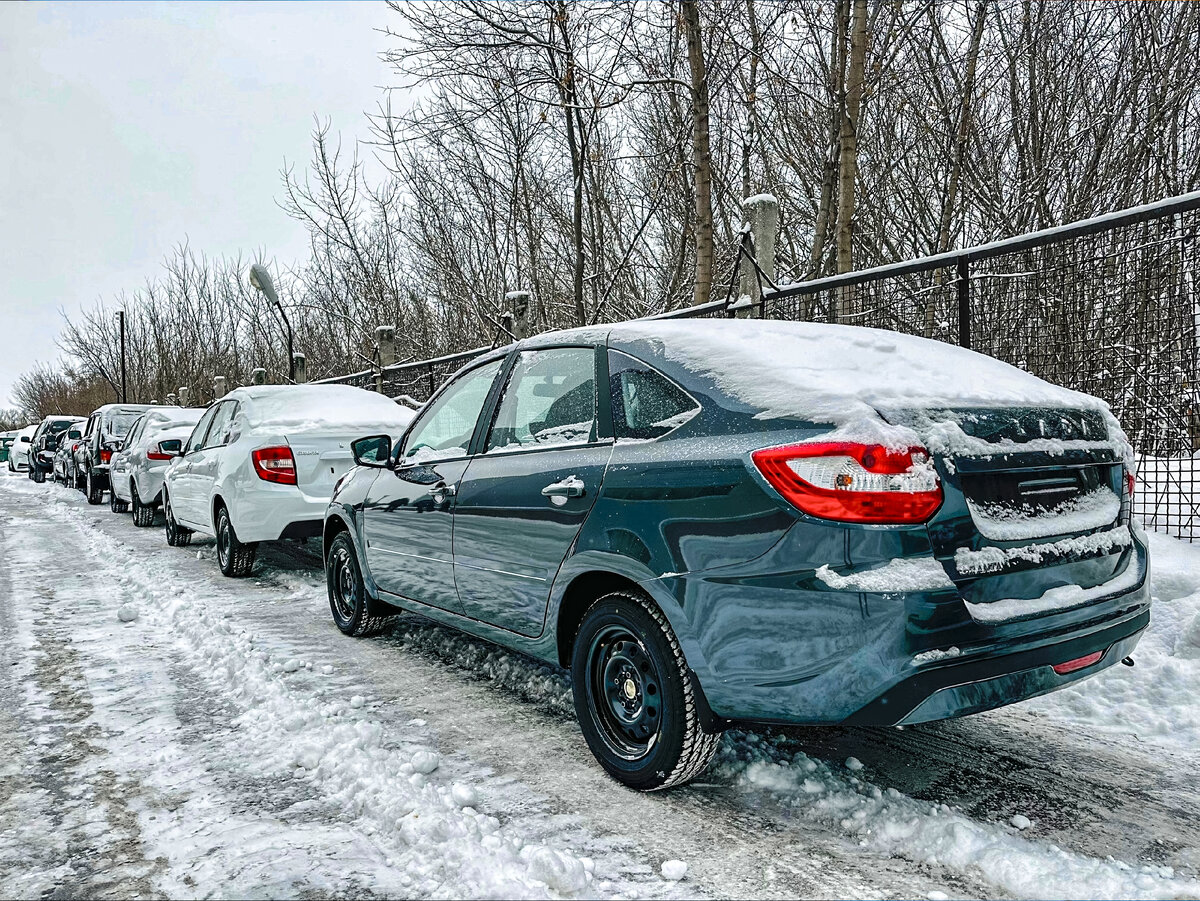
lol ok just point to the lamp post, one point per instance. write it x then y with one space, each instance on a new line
121 318
260 278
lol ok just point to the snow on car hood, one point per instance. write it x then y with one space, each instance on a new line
321 408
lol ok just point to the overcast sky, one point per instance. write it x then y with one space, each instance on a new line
127 128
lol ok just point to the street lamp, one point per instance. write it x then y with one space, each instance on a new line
260 278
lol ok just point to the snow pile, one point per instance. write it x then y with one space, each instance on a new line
312 408
888 822
1003 522
838 374
1063 597
1156 699
901 574
995 559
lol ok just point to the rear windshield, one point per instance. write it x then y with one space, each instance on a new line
119 424
59 425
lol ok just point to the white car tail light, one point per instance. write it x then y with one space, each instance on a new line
851 482
275 464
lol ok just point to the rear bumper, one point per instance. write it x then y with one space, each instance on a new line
271 512
785 647
978 685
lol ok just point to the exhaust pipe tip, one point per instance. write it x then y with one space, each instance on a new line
1128 661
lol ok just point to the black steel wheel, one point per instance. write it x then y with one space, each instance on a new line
636 699
177 535
143 515
235 557
348 600
95 494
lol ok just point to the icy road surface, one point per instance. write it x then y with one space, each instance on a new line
227 741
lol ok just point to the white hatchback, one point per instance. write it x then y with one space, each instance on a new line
136 471
262 462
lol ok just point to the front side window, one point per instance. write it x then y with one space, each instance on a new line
196 439
135 433
218 432
550 401
645 403
444 430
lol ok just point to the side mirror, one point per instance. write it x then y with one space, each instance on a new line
172 447
372 451
24 439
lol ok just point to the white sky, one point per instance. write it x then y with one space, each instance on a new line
127 128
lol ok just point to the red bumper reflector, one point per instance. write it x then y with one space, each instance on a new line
1077 664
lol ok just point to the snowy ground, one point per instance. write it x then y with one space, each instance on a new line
229 742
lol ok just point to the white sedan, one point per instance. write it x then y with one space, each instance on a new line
262 462
18 454
137 469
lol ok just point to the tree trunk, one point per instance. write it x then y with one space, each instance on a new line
848 162
701 154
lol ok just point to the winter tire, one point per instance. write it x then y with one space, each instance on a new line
347 594
143 515
95 494
177 535
37 475
235 558
635 696
115 504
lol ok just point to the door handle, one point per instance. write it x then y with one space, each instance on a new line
442 492
571 486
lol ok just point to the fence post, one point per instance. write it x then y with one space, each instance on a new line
301 366
170 400
762 215
183 395
385 340
964 303
258 376
518 304
218 386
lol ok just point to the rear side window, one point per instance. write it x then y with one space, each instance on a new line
645 403
550 401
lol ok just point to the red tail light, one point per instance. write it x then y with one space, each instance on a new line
105 456
850 482
275 464
157 455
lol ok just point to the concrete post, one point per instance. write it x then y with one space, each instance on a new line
519 303
183 395
170 400
385 340
218 386
258 376
762 215
301 368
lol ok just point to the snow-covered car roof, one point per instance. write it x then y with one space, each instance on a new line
309 408
122 408
838 373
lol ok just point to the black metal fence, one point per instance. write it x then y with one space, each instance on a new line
1108 306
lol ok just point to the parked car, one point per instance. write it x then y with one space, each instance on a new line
45 443
106 427
754 522
136 471
64 458
6 441
18 454
261 465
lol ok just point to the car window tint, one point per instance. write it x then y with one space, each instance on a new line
549 401
444 430
195 441
645 403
